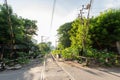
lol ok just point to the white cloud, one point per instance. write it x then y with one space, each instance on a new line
112 4
109 6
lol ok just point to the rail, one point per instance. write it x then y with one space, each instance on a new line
72 78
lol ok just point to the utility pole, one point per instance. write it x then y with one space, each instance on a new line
44 38
89 7
41 39
80 15
11 28
85 25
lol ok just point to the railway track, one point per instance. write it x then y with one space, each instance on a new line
52 70
43 69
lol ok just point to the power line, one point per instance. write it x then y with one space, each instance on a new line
53 10
51 23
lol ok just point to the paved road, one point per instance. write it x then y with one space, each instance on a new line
85 73
30 72
54 72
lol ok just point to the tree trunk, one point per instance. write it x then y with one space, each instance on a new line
2 52
1 56
118 46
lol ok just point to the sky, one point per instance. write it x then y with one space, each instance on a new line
65 11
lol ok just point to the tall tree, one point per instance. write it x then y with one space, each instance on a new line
64 36
78 34
23 30
105 30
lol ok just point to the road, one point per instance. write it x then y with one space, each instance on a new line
32 71
53 71
86 73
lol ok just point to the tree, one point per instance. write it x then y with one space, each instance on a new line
5 33
78 35
105 30
45 47
4 27
64 36
23 30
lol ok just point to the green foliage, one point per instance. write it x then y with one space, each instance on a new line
97 41
103 57
76 33
23 30
69 53
105 29
64 36
4 25
79 35
35 51
55 52
45 47
23 60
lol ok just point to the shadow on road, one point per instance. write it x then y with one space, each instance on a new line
30 71
97 70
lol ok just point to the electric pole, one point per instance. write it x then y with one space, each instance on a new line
44 38
85 25
41 39
89 7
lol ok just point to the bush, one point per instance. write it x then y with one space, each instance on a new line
23 60
103 57
70 53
